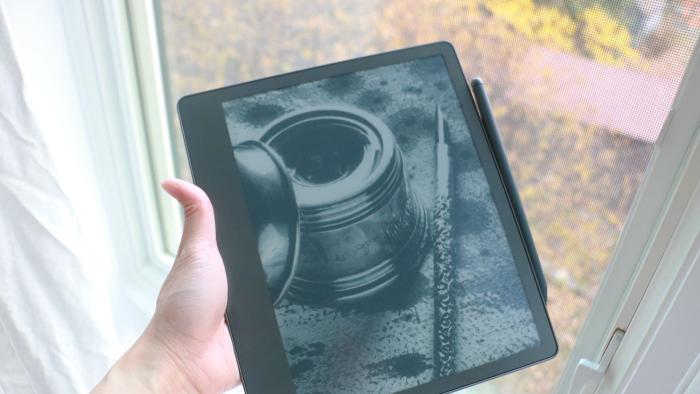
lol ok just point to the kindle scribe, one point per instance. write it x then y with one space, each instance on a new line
371 231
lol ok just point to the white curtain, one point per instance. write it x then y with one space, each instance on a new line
56 333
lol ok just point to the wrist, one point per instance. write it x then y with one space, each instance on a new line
148 366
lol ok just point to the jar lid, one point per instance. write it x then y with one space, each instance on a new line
274 213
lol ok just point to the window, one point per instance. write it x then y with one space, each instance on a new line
581 90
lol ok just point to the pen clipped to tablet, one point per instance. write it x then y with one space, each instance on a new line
489 123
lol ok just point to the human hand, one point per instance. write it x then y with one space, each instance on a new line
186 347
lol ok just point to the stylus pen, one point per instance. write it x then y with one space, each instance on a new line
444 348
489 122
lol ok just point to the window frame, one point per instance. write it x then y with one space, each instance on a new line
123 90
156 109
665 321
118 87
656 213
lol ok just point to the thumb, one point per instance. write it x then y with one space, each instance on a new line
199 213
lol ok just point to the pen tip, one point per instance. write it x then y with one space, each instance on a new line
439 125
438 113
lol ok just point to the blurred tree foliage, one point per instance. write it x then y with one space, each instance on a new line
218 42
604 38
592 30
539 23
615 8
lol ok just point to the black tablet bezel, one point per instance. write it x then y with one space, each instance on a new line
257 341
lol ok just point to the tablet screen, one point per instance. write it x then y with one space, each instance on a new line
385 255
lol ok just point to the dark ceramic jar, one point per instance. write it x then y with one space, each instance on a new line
360 224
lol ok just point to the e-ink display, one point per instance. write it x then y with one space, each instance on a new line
383 249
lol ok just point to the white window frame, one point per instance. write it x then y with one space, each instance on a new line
157 110
125 103
120 87
657 211
666 321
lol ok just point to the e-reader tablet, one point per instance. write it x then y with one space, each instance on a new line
372 235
